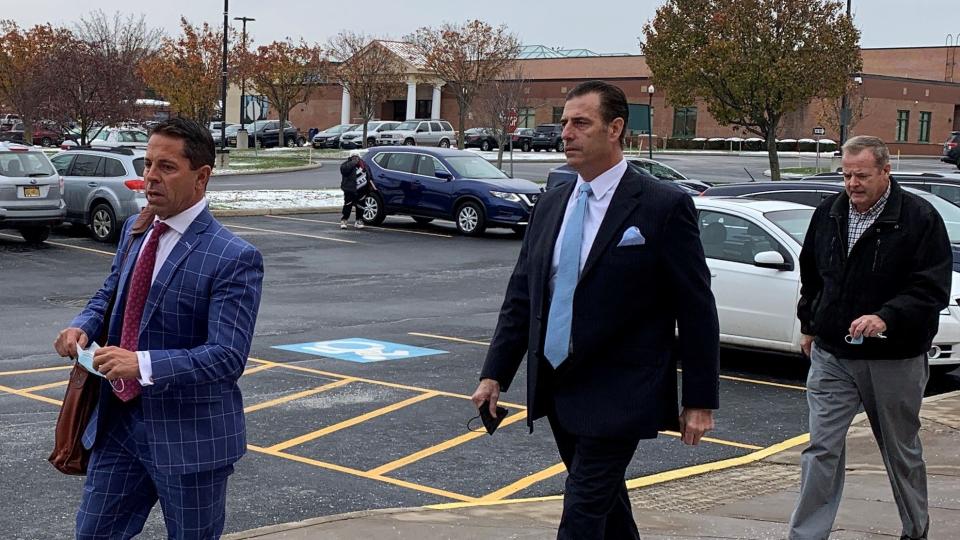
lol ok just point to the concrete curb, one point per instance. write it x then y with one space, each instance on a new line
272 171
246 212
294 525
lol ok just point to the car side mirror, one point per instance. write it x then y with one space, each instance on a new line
443 175
771 259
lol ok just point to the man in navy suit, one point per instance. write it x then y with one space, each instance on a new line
169 422
611 266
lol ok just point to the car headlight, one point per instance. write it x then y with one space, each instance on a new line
512 197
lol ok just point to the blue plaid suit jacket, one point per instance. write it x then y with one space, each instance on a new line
198 323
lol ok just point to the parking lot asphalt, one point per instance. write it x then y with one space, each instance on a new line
328 435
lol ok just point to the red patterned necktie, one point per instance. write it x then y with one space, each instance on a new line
137 292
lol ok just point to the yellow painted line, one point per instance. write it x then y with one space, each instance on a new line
380 383
655 478
524 483
45 386
718 441
35 370
727 377
765 383
288 233
24 393
368 226
351 422
442 447
718 465
448 338
71 246
362 474
298 395
256 369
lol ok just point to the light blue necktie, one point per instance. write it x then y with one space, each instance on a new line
557 344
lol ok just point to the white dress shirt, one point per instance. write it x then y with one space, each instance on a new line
603 186
178 226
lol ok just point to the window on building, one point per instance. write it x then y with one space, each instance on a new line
557 114
903 125
924 126
685 122
526 117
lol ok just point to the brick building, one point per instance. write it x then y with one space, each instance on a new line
909 96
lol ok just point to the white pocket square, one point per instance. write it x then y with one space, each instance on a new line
632 237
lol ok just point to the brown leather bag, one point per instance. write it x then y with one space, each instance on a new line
83 390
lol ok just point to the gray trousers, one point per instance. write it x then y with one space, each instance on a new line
891 392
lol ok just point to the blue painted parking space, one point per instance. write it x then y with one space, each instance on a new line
360 350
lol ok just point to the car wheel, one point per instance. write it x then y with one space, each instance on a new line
35 235
422 220
290 142
470 219
371 142
46 142
371 209
485 146
525 147
559 146
409 142
444 143
103 223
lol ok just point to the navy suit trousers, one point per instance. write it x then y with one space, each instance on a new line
122 486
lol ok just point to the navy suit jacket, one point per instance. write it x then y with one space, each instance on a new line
620 379
198 323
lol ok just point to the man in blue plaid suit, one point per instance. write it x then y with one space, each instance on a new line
169 423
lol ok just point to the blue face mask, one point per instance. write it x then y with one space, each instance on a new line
85 358
859 340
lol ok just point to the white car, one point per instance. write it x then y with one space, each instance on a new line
753 252
354 137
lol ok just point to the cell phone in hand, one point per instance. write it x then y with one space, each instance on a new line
489 422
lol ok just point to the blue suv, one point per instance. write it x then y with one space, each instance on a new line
439 183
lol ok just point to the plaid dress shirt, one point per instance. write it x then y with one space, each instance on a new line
858 223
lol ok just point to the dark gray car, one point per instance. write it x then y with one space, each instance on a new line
102 188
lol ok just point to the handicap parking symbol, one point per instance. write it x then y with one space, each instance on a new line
360 350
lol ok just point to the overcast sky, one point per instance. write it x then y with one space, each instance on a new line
607 26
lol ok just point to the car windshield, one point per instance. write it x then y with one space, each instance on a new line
20 164
544 129
475 167
793 222
408 126
947 211
336 130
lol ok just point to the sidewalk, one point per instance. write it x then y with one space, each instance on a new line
751 501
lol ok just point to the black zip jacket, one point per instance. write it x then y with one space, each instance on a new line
899 270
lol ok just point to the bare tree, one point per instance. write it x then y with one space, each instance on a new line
367 70
465 57
498 102
98 71
858 104
287 73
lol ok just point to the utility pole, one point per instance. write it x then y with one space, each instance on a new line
243 78
223 84
844 107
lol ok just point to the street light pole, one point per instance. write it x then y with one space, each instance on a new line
844 113
243 77
650 90
223 84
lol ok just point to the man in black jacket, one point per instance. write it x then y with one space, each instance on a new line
875 274
610 266
355 184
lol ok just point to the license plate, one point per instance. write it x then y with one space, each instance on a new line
31 191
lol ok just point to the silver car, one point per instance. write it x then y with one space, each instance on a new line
30 192
102 188
419 133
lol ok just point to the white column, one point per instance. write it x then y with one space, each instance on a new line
435 106
411 99
345 107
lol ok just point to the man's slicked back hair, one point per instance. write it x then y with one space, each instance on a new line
613 102
198 145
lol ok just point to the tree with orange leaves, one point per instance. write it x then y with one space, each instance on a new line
25 73
286 74
186 70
